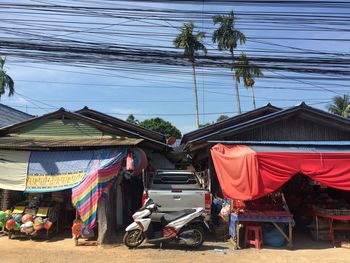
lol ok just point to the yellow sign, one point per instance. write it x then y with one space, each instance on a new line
18 210
53 181
42 211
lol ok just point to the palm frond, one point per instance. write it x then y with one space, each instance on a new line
6 82
9 84
247 71
190 42
226 36
200 35
2 63
217 19
340 106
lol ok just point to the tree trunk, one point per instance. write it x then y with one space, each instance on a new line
195 94
238 101
106 215
237 95
253 96
102 222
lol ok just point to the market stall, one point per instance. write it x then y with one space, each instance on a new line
331 217
84 182
321 211
33 217
254 172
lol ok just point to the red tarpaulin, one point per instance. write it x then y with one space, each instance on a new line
245 174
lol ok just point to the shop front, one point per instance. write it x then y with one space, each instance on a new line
59 187
64 169
273 187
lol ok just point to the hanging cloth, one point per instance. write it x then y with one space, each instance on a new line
103 167
245 174
13 169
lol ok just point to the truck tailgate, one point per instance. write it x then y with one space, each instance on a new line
174 200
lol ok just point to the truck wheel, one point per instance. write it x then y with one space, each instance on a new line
133 238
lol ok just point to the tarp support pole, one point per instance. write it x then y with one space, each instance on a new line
289 239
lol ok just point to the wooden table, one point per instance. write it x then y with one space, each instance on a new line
273 218
331 227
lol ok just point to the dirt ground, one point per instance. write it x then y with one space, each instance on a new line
62 249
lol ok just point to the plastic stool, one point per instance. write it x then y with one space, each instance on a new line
253 236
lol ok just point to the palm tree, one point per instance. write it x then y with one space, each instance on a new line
191 43
248 72
340 106
6 82
227 37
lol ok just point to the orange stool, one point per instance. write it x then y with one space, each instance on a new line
253 236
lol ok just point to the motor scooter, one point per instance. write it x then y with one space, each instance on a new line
185 226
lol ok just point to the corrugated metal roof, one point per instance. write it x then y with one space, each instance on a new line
104 125
238 119
301 148
145 133
62 128
319 115
20 143
317 143
9 116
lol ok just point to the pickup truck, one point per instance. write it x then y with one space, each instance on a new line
175 190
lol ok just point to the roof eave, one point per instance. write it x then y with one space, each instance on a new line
270 117
192 135
149 134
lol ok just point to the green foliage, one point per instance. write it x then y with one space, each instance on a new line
205 125
190 42
247 71
131 118
227 36
161 126
6 82
221 118
340 106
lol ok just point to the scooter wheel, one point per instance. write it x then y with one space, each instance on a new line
198 236
133 238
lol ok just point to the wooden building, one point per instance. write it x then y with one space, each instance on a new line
301 123
64 134
10 116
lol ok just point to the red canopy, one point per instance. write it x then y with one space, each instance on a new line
245 174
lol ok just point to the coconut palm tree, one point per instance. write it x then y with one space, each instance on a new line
6 82
340 106
226 37
191 43
248 72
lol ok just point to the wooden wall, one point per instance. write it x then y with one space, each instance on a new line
292 129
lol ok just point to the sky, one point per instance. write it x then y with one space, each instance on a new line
121 88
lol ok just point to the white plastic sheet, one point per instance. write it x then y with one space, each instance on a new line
13 169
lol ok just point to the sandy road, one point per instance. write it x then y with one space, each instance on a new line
63 250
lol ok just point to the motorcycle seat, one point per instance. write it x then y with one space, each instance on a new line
170 217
